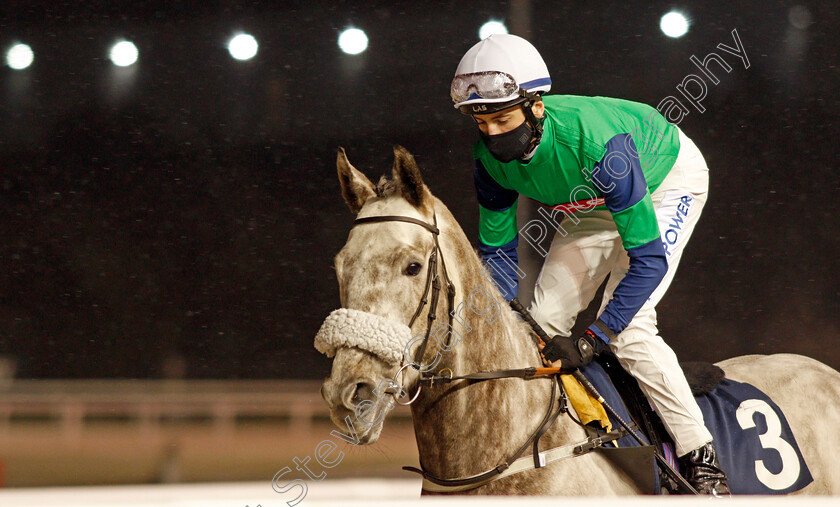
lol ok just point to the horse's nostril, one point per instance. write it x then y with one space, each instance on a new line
364 391
357 393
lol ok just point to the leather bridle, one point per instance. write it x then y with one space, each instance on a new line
433 284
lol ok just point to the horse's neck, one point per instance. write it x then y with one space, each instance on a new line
489 334
450 419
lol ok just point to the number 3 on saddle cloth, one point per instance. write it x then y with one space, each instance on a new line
754 443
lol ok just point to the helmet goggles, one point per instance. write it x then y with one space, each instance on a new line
490 85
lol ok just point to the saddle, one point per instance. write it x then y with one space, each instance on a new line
756 447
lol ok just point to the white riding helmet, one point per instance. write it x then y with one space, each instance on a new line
497 73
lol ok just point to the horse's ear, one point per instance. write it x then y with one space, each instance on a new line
407 176
355 187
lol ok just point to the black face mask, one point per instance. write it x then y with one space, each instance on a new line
510 145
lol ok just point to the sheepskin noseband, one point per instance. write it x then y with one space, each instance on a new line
382 337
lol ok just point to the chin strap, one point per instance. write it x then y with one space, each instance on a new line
531 118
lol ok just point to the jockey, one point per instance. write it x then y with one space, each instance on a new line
631 187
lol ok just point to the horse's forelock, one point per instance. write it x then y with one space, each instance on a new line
386 187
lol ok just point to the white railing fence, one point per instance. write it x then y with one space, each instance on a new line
150 404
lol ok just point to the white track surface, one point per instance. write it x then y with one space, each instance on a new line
343 493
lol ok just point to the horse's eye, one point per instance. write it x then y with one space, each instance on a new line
413 269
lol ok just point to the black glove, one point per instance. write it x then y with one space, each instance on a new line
573 352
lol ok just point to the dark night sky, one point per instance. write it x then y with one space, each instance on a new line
188 206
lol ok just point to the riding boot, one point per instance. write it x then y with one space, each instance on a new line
702 470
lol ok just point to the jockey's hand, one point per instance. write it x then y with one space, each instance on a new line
572 353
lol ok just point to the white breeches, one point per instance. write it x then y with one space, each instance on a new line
578 263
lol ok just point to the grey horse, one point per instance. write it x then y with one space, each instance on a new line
463 428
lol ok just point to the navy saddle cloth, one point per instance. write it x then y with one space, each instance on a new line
755 445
